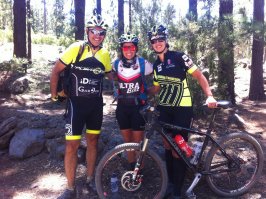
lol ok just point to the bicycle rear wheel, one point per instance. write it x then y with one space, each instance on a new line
227 178
152 181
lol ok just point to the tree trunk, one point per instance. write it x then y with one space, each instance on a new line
256 89
192 11
130 15
44 17
29 29
121 23
192 16
79 19
99 7
225 49
19 34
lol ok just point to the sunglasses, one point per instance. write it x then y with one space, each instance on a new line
98 32
130 48
157 40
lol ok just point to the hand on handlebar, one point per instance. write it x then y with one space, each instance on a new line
211 102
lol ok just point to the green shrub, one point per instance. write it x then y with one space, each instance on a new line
6 36
65 41
15 64
41 38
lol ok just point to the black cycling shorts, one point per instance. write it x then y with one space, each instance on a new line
81 111
128 117
181 116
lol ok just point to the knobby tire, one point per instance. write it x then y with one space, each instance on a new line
247 151
154 173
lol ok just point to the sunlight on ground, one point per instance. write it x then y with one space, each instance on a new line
24 195
45 185
50 181
253 196
9 171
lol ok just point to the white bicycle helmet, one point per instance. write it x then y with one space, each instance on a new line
97 21
128 38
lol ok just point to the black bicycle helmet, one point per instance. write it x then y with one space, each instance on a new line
157 32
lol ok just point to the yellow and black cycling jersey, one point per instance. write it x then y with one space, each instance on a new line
171 76
86 74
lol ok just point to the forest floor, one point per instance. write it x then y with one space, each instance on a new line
40 177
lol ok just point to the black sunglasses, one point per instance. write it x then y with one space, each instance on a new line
157 40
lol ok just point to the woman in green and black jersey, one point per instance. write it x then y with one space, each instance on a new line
175 104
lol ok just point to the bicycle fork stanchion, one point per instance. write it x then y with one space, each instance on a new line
189 192
140 159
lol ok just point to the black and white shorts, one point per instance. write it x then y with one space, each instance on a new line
84 111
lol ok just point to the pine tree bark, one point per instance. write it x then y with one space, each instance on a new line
44 17
79 19
192 17
130 15
256 89
192 10
121 22
99 7
29 28
225 49
19 34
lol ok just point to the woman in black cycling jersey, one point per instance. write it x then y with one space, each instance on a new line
175 104
130 71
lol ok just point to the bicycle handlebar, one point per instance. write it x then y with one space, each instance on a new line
224 104
148 108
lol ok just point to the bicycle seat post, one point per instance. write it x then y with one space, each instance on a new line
210 126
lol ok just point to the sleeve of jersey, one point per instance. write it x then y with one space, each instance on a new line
107 61
148 68
69 55
155 80
113 65
188 64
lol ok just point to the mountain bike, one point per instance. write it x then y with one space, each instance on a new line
231 165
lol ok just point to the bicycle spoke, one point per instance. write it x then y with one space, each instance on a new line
147 184
228 177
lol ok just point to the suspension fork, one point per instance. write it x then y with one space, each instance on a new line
143 149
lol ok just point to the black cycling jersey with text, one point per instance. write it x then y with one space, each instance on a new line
86 78
170 75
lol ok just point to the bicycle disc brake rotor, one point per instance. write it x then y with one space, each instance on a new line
128 183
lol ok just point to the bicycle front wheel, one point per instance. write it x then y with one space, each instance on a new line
233 178
151 182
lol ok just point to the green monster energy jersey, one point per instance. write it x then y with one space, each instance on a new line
171 77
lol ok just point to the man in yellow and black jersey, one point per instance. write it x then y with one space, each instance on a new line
85 98
175 104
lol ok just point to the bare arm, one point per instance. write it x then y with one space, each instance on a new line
153 90
205 87
110 76
57 69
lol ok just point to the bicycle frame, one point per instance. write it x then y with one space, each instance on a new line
158 126
153 125
231 165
